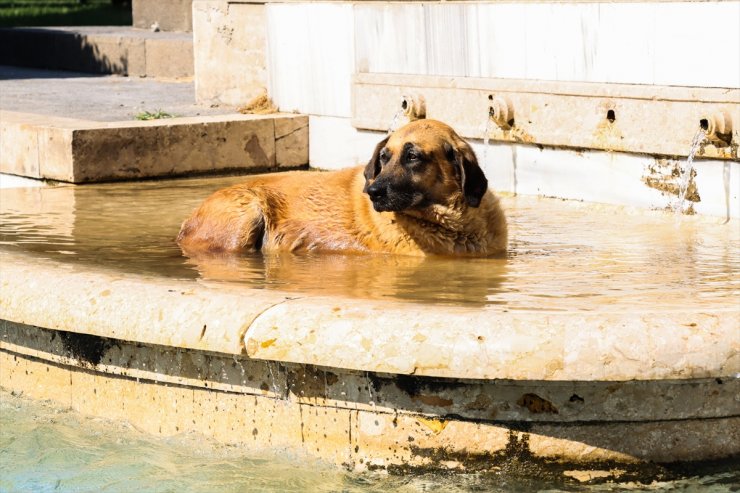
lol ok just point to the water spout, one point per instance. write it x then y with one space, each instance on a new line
718 128
501 111
413 107
685 176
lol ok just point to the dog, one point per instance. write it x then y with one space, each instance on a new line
421 193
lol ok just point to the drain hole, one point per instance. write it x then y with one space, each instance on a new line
575 398
611 116
704 124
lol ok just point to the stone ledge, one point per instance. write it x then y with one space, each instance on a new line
100 50
81 151
337 332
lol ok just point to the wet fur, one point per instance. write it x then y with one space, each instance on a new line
438 204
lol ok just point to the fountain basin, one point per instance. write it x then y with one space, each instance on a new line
579 351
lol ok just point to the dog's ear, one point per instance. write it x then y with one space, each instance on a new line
373 166
472 179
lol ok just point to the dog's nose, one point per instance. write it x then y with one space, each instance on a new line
376 191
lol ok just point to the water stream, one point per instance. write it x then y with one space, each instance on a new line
488 127
685 176
398 120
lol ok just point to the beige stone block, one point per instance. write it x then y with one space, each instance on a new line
35 379
658 120
55 153
117 54
169 58
19 150
402 440
230 51
291 141
168 15
173 147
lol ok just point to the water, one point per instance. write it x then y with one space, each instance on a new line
44 449
398 120
685 177
488 127
563 255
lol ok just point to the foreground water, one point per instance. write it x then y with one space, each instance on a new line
563 255
44 449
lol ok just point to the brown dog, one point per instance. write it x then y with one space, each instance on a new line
421 193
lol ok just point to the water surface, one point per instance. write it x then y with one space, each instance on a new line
47 449
563 255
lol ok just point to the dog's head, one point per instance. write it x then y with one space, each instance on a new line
422 164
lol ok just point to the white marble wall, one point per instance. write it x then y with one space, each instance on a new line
314 48
310 57
663 43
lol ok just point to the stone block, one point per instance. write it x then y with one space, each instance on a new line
19 152
55 153
167 15
230 51
291 141
168 58
173 147
85 151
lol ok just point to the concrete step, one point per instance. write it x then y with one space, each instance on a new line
75 128
100 50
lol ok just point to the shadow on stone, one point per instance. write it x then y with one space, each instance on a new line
58 49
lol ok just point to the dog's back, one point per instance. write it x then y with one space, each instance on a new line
421 193
285 211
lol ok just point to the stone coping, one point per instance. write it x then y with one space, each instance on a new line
384 337
82 151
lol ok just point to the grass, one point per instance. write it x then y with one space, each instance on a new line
17 13
156 115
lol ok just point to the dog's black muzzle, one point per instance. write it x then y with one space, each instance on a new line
388 198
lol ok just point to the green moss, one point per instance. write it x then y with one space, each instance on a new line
17 13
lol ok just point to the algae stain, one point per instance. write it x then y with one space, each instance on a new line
268 343
436 425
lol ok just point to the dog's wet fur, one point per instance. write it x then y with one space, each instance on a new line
421 193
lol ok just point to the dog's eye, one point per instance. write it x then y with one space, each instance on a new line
413 156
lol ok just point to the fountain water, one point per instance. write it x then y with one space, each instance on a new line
398 120
488 127
685 176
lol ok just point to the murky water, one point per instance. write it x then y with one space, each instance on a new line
44 449
563 255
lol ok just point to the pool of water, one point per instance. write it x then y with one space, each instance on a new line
44 448
563 255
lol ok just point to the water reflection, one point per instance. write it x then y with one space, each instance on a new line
563 255
440 280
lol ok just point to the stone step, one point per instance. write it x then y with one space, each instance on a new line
100 50
72 128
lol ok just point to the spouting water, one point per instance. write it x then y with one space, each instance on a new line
685 177
488 127
397 121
